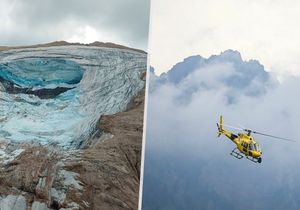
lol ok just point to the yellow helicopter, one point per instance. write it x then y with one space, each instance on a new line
245 143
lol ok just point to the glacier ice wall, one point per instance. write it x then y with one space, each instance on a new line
41 72
97 80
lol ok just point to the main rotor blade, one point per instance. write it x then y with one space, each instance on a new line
241 126
272 136
249 130
229 126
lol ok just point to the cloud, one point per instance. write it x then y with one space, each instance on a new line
265 30
45 21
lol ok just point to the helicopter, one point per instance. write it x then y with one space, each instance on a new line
245 142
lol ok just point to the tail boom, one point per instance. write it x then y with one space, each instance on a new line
221 131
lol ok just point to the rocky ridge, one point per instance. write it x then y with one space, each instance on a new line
64 43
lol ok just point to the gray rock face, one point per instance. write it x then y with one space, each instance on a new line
240 77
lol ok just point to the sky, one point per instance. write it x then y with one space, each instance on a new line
38 22
266 30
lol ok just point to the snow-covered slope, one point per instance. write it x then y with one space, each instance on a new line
57 94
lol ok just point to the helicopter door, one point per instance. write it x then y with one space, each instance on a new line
245 146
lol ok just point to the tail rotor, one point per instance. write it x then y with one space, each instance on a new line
220 127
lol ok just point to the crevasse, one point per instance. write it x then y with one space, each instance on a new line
92 81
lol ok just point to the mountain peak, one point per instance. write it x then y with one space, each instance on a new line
228 55
182 69
226 69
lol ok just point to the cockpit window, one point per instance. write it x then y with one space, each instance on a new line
252 147
257 147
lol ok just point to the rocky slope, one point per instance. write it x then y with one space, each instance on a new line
64 43
101 173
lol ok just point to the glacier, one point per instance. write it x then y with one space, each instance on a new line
56 95
31 72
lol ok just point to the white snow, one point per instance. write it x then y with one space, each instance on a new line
5 158
67 178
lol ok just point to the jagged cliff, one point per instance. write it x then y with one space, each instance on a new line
83 128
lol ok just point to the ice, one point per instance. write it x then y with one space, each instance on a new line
41 71
5 158
103 82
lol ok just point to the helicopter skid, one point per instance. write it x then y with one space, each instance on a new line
255 160
236 154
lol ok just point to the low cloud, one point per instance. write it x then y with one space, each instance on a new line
37 22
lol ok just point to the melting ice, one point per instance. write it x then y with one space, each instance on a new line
82 83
